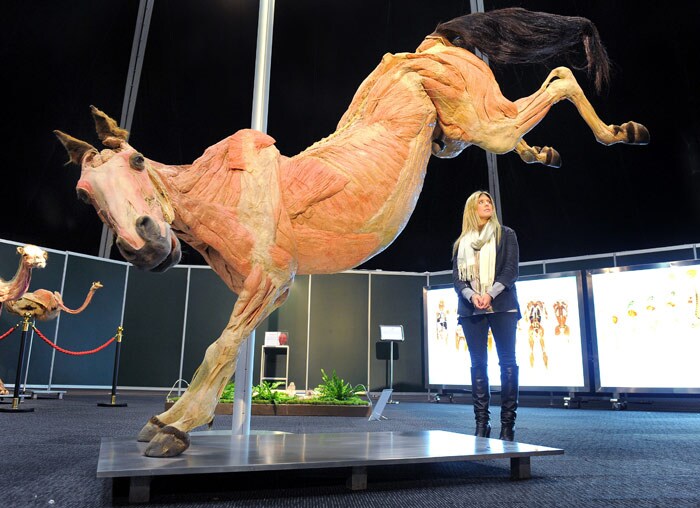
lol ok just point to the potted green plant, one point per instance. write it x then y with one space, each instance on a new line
333 397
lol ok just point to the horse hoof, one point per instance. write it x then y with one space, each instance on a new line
637 134
552 157
149 430
528 157
542 155
169 442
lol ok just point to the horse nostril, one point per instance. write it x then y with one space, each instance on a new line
147 228
143 221
123 246
83 195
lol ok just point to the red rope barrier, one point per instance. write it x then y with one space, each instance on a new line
8 332
74 353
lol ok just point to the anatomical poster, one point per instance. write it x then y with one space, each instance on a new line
647 327
548 338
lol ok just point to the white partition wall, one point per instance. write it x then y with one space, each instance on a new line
170 318
641 324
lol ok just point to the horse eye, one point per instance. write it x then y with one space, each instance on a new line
457 41
137 161
83 196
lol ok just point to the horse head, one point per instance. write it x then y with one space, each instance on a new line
127 193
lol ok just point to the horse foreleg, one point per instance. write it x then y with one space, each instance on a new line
561 84
167 432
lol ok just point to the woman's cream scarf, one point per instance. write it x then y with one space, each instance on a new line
476 258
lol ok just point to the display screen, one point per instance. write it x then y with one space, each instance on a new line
647 326
548 338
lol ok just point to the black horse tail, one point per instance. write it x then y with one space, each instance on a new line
515 35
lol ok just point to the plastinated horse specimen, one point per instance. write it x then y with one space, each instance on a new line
260 218
31 257
46 305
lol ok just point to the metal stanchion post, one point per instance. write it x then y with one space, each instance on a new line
113 400
29 358
18 378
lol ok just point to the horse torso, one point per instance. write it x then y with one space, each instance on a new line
346 197
349 195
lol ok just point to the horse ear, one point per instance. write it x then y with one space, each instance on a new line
108 130
76 149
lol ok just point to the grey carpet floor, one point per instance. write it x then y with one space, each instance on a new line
612 459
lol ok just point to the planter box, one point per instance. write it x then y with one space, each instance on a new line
226 408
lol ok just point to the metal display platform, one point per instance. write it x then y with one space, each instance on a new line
220 452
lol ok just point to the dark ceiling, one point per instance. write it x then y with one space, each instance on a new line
196 88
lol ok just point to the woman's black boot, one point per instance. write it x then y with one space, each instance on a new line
481 397
509 401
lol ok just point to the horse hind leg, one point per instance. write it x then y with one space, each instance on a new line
561 84
630 133
167 432
538 155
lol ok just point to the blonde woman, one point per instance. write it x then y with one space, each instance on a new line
484 269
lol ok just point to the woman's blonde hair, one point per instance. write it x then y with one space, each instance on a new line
470 219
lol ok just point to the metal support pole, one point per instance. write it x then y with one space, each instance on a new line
18 377
117 351
263 58
138 51
261 93
29 359
494 185
491 161
244 388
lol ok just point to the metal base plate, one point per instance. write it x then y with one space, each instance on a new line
221 453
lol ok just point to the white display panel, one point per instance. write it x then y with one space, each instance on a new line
548 351
647 327
448 358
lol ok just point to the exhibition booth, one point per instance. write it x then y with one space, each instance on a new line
584 330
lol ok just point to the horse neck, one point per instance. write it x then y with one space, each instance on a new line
218 178
167 177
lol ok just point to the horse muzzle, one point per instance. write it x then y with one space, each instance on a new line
158 253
